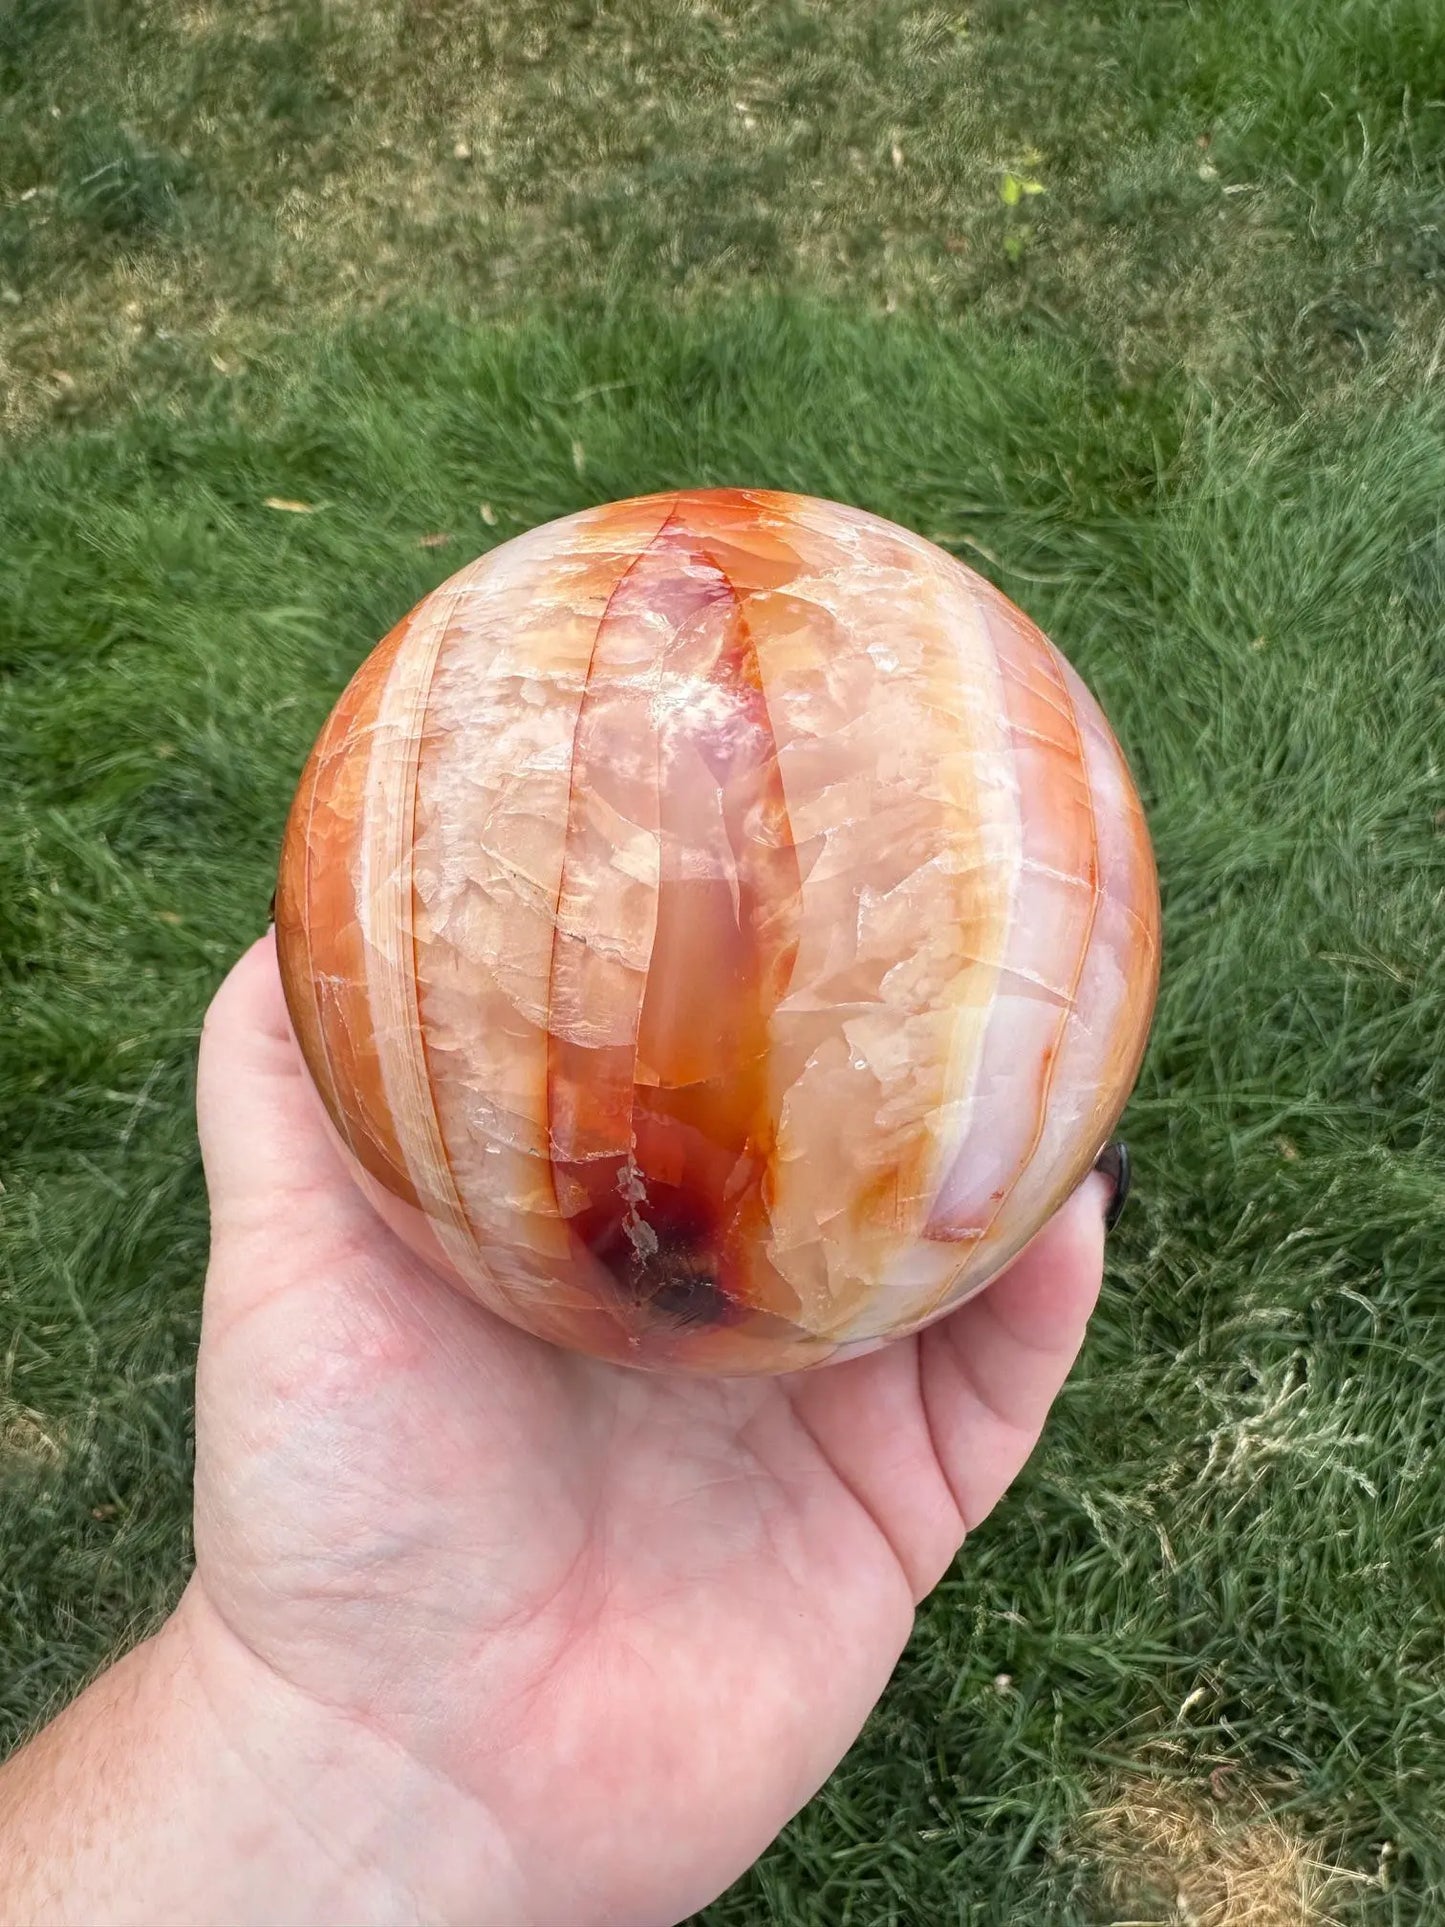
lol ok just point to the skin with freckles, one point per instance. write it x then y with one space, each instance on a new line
482 1630
721 928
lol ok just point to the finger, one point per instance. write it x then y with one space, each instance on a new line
262 1137
989 1373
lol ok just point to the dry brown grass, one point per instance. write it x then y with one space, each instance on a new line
28 1444
329 162
1173 1855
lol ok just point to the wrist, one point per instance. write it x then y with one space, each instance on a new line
190 1783
354 1827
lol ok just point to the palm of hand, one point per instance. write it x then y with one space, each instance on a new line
632 1621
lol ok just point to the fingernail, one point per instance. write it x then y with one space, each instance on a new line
1114 1164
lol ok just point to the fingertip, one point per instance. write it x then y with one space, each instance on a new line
1075 1234
997 1363
1049 1291
249 997
246 1034
1097 1196
258 1114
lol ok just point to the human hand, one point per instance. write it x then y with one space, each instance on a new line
485 1632
613 1628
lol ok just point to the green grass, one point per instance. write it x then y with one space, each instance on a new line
1188 428
1244 188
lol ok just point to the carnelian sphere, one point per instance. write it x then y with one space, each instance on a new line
721 929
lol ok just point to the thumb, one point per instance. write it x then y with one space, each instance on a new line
263 1140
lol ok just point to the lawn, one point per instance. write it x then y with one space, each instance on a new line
1137 308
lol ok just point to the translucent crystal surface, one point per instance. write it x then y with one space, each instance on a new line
721 929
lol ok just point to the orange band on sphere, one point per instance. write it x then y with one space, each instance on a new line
725 924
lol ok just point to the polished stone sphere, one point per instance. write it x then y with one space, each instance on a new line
721 929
